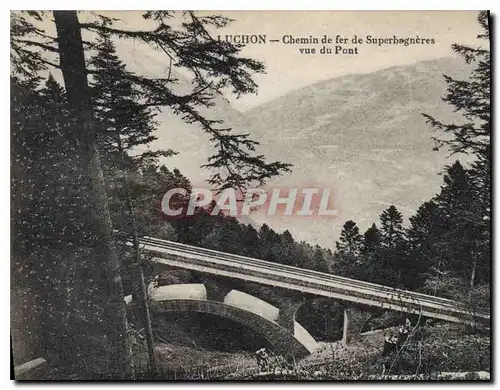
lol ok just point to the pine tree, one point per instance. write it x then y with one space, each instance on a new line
346 258
391 221
123 124
427 257
250 241
370 251
471 98
187 44
267 238
472 135
371 240
393 246
287 238
225 236
54 164
100 294
456 192
464 238
350 240
38 118
289 253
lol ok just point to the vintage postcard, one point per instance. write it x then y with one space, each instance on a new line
250 195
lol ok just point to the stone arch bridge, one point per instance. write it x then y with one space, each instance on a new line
266 296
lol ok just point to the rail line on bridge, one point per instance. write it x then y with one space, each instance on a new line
304 280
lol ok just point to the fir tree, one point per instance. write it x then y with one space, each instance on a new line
393 246
287 238
225 236
391 221
348 249
38 118
350 240
369 268
427 255
463 238
472 135
250 241
371 240
471 98
289 253
213 64
268 238
123 123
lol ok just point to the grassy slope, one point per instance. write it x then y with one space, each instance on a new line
446 348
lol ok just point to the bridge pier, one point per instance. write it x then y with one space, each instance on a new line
354 320
216 292
288 309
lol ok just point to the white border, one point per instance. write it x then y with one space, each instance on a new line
257 5
179 4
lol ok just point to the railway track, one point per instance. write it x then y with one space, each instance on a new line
300 279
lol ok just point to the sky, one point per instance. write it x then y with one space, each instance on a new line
287 69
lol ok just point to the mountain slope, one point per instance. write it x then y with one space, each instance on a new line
361 135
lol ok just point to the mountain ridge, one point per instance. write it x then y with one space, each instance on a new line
431 62
362 135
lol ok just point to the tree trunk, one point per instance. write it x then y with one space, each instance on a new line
136 271
98 319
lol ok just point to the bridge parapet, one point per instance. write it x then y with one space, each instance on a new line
178 291
307 281
283 312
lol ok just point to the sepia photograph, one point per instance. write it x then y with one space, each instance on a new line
250 195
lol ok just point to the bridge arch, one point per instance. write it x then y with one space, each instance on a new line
283 341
